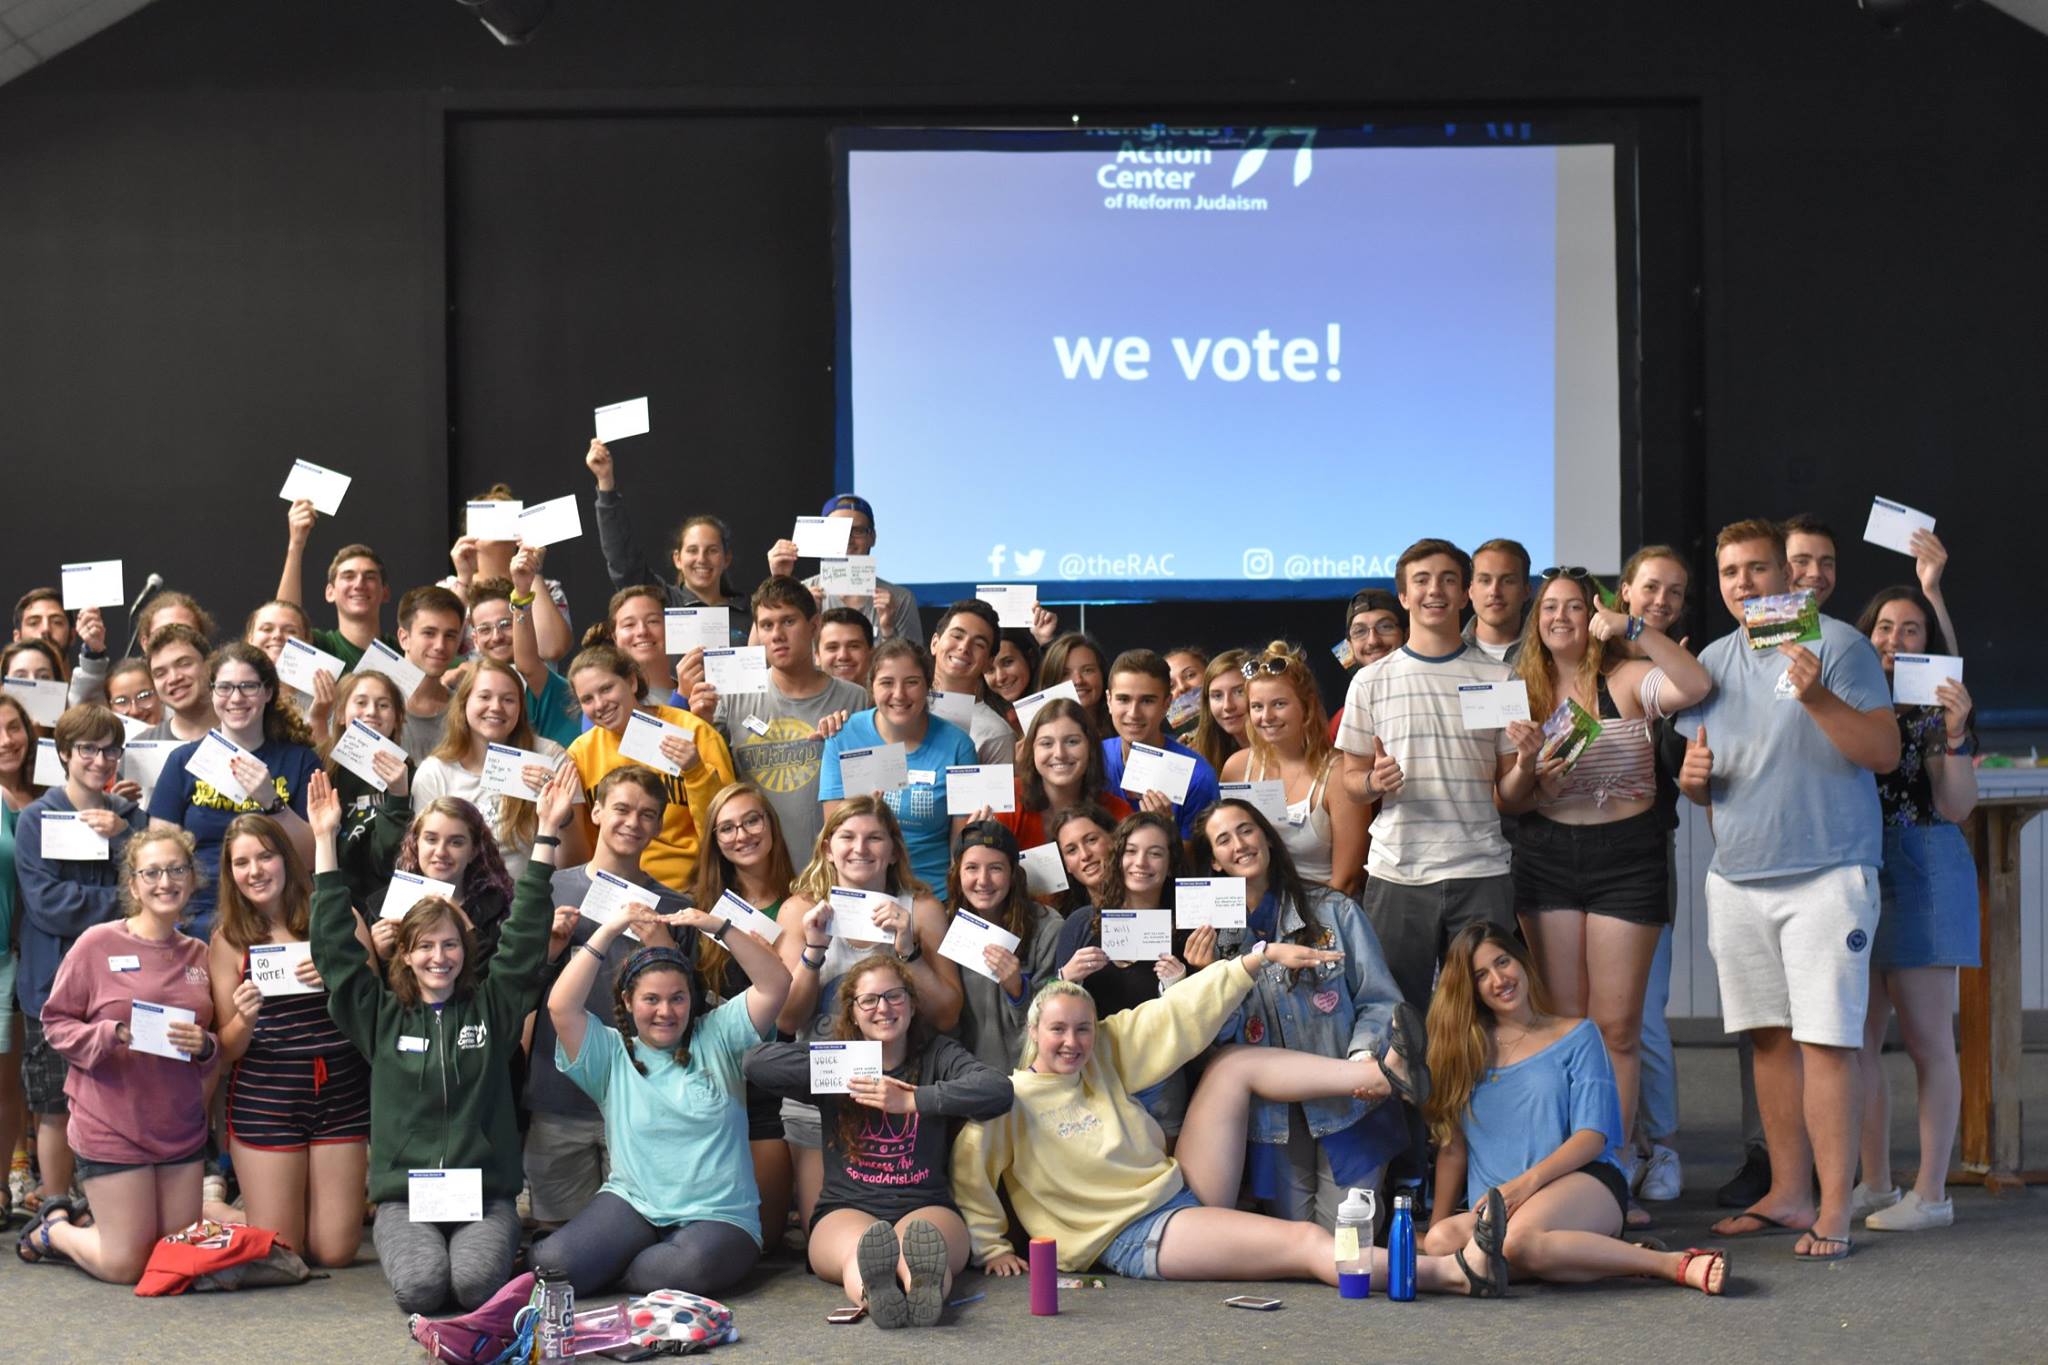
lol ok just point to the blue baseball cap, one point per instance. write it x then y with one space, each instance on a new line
853 501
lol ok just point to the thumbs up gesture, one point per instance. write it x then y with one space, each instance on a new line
1698 769
1386 773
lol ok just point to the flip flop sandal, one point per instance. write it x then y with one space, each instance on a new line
1408 1040
1843 1244
924 1252
876 1257
1656 1244
1767 1227
1710 1285
1490 1231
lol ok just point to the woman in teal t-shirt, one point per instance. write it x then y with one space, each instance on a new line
680 1210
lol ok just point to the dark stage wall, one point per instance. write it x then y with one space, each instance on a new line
237 231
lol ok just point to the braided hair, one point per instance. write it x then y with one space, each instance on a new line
622 1007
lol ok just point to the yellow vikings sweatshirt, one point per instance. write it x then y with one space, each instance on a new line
1081 1158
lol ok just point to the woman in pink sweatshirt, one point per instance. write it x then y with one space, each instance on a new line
130 992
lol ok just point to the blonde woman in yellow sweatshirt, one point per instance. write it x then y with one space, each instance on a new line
1086 1166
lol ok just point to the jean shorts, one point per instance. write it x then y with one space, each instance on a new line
1135 1252
88 1169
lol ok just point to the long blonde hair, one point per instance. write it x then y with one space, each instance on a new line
815 881
716 875
1057 987
1461 1028
1538 667
517 819
1211 740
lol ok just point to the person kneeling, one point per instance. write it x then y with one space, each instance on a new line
680 1209
1525 1115
1084 1165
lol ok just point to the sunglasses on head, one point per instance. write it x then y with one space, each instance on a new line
1251 668
1576 572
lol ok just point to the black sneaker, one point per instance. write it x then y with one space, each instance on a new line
1750 1184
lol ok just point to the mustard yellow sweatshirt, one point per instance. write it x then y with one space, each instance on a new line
1082 1159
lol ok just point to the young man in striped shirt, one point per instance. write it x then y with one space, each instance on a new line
1438 859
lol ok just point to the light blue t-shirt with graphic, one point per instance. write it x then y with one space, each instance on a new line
920 807
1786 802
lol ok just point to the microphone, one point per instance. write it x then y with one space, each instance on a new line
149 586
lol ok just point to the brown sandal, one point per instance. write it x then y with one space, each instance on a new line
1714 1281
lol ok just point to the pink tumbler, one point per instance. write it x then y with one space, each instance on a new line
1045 1277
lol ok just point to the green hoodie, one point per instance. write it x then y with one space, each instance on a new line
440 1080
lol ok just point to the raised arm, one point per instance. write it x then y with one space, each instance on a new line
768 979
298 522
1930 559
567 1006
354 992
526 651
803 956
622 559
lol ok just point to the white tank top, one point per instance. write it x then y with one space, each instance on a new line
1306 831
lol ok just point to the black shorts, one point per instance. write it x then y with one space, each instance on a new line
1619 869
43 1070
1609 1174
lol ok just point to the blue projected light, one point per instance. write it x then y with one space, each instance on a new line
1232 365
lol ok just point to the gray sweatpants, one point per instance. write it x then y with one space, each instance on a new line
427 1263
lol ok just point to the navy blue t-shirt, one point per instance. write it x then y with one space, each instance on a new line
206 814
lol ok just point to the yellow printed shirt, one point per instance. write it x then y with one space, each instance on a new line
671 858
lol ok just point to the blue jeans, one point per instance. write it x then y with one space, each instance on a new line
1657 1104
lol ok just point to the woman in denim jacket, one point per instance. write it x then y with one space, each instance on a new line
1303 1156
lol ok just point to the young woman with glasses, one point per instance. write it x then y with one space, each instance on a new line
275 761
138 1116
885 1226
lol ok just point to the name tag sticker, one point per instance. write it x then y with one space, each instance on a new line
124 964
407 1043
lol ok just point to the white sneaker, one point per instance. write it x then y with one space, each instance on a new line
1662 1177
1864 1201
214 1189
1911 1214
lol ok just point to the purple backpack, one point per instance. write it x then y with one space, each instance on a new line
486 1336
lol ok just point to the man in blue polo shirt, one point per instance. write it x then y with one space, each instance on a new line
1139 682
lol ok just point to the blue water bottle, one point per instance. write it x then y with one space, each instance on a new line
1401 1251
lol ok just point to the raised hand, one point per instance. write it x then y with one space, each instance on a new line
557 797
323 806
599 460
1802 672
1955 709
298 522
92 630
1930 557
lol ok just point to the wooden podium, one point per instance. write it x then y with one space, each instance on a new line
1990 995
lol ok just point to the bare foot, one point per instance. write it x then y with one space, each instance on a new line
1706 1271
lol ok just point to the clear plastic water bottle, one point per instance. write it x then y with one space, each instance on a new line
1354 1244
554 1319
1401 1250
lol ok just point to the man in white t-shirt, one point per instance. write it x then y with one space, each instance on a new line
1438 860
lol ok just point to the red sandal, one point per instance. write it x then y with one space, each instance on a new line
1716 1278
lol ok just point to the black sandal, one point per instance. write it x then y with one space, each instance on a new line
33 1247
1490 1232
1408 1040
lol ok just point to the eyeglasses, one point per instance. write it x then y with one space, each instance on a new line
177 872
229 689
93 753
1388 629
750 823
491 631
1576 572
872 1004
1251 668
133 698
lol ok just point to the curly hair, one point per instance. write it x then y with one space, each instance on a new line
1114 893
281 719
622 1008
131 857
486 870
846 1026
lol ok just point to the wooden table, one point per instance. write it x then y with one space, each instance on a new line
1990 995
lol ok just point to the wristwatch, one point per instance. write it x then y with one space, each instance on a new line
916 952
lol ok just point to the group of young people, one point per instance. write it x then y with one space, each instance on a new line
426 921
